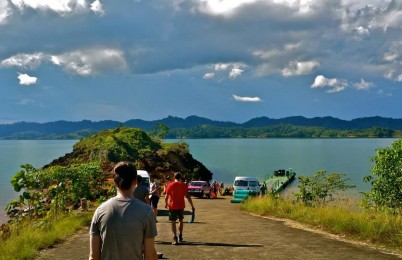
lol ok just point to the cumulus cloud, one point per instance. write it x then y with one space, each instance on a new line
209 75
246 99
24 60
5 11
97 7
85 62
61 7
362 16
228 7
221 66
26 80
297 68
235 72
221 7
334 84
91 61
363 85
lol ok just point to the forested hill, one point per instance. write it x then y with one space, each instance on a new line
198 127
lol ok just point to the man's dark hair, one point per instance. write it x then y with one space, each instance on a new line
177 176
139 179
124 174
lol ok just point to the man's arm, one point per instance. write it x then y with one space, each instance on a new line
147 200
188 196
167 200
94 247
149 249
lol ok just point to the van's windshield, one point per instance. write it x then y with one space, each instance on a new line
240 183
253 183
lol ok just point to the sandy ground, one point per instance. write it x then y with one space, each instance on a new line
222 231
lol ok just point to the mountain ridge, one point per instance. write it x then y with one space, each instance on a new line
72 129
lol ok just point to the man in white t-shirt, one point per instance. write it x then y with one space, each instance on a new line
154 195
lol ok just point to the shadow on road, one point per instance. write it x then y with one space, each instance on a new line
208 244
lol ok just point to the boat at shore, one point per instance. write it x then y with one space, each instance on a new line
279 180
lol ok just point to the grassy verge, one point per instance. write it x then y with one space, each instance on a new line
377 228
27 239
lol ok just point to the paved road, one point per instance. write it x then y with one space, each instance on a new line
221 231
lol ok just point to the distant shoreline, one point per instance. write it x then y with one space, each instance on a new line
195 127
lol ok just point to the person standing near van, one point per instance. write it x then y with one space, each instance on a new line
123 227
174 201
154 195
141 192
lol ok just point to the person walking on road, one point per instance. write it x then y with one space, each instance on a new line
154 195
123 227
174 201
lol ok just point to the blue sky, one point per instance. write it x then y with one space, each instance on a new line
229 60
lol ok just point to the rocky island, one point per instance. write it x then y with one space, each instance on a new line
110 146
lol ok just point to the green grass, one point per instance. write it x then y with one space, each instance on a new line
27 239
342 219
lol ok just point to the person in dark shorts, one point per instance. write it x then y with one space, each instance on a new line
154 195
174 200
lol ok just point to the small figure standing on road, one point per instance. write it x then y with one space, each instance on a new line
221 188
141 192
123 227
174 201
154 195
263 189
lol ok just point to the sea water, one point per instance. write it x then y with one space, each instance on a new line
226 158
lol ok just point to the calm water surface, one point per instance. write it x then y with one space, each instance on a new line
226 158
14 153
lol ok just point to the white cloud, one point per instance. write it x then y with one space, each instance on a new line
276 52
361 31
82 62
26 80
5 11
91 61
209 75
227 7
394 52
24 60
246 99
297 68
335 85
219 7
363 85
235 72
266 54
61 7
97 7
363 16
221 66
302 6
